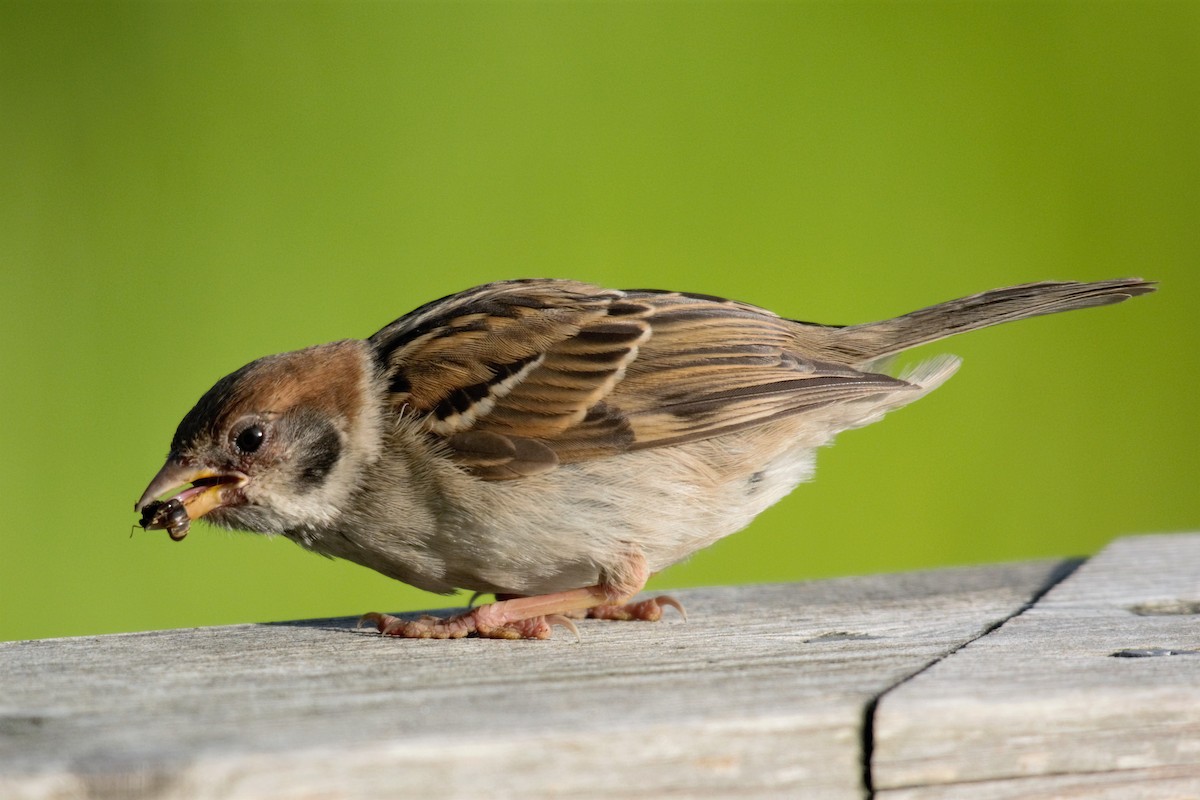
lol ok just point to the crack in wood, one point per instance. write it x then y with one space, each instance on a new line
1064 571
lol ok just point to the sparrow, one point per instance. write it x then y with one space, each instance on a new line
550 442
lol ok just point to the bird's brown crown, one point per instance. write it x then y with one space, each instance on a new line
327 377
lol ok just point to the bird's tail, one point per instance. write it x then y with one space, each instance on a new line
862 344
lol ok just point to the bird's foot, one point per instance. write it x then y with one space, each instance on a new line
646 610
512 617
483 621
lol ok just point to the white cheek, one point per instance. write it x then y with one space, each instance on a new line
282 509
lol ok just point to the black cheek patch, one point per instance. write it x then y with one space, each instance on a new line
319 458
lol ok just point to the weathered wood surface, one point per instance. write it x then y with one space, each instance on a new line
953 683
763 693
1094 692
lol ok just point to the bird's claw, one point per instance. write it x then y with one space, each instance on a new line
564 621
645 611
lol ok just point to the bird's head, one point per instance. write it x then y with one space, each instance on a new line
273 447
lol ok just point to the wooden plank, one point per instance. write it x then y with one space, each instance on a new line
1160 783
762 693
1046 707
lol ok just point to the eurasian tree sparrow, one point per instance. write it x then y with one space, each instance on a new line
549 441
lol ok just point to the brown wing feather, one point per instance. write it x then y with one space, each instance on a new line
517 377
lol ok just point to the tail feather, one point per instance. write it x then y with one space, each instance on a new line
861 344
932 373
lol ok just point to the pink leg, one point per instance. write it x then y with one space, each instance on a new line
518 618
531 617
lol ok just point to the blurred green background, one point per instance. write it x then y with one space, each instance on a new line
187 187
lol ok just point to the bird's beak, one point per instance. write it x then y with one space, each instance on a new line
210 489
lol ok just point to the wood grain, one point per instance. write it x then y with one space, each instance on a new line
1044 706
763 693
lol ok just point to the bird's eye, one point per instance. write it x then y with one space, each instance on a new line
250 439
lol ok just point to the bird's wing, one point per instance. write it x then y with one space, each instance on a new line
519 376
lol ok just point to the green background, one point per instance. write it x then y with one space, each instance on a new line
187 187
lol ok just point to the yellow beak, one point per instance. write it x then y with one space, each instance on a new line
209 489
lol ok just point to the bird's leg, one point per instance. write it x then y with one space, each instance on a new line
531 617
644 611
518 618
625 581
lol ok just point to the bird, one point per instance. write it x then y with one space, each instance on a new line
550 442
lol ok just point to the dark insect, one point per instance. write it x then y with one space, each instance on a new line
170 515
